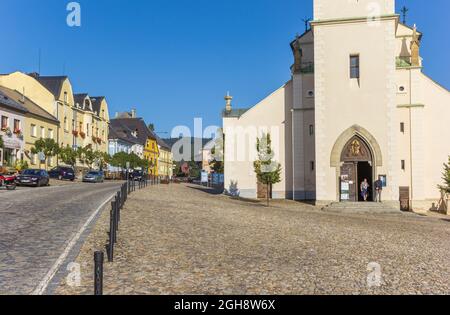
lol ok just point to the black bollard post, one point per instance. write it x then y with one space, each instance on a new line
111 235
98 273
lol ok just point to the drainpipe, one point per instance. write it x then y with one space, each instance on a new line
293 155
410 138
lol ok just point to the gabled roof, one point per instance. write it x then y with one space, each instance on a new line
97 103
11 104
53 84
28 104
134 125
162 143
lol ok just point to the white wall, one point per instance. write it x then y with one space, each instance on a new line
240 141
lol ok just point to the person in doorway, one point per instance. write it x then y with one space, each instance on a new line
365 189
378 190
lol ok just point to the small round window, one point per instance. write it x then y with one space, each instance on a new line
401 89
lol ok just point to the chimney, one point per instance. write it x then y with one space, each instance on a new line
228 100
133 113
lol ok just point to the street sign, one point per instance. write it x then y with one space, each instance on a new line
41 156
204 177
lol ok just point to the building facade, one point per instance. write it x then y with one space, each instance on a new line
12 115
165 159
37 124
356 107
82 120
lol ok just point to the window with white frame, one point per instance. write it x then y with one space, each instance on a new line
33 130
42 132
50 134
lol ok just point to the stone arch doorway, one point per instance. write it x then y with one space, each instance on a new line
356 166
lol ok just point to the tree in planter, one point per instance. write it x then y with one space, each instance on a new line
446 178
47 146
267 171
68 156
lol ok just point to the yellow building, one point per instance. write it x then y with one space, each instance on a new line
39 124
165 160
83 120
151 153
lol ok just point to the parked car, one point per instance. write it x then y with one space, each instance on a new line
137 175
61 173
94 177
33 177
8 181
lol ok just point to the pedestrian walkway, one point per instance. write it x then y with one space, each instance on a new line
184 239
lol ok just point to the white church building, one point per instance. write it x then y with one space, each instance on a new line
357 106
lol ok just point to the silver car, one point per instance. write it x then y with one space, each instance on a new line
94 177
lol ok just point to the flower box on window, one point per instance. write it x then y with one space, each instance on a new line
82 135
75 133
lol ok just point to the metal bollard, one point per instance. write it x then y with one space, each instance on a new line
111 235
98 273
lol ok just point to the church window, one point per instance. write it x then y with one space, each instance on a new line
313 166
402 127
311 130
354 66
403 165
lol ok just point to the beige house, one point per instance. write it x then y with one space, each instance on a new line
83 120
358 106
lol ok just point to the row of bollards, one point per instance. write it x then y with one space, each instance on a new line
116 207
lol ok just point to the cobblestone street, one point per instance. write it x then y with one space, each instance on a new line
182 240
36 226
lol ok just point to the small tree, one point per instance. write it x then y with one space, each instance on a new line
446 178
120 160
217 153
103 159
89 156
47 146
68 156
267 171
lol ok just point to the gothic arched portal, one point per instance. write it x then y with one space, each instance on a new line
355 155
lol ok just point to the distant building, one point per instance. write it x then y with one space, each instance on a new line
165 160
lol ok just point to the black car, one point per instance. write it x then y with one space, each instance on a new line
33 177
61 173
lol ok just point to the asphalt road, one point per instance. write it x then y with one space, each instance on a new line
36 226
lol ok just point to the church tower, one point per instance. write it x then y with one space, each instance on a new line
355 97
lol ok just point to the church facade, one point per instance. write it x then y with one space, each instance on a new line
358 106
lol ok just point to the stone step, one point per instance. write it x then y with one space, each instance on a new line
361 207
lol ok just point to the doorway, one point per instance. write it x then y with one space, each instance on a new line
365 171
357 165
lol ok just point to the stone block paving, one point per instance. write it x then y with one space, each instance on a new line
182 239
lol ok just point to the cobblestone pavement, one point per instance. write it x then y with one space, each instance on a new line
36 225
180 239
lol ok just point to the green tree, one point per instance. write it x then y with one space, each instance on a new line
217 164
47 146
120 159
446 177
1 142
89 156
68 156
151 127
103 159
267 171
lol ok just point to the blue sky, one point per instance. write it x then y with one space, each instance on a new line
175 59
